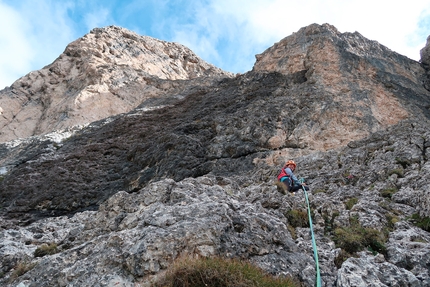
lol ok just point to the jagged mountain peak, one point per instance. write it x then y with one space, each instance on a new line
108 71
374 86
114 45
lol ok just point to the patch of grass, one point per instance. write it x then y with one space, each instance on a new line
351 202
197 272
421 222
46 249
355 238
391 220
21 268
388 192
298 218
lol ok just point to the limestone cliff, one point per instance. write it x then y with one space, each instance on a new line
108 71
375 87
191 170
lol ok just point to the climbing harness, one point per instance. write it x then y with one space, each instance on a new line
314 245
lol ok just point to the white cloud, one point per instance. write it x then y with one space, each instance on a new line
37 33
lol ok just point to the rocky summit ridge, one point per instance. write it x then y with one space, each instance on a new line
109 71
187 166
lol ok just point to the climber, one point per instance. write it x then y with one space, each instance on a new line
288 180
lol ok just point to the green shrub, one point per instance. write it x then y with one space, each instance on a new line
46 249
350 203
421 222
193 272
355 238
298 218
347 239
388 192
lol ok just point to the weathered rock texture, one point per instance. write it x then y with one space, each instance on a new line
106 72
191 172
425 60
349 71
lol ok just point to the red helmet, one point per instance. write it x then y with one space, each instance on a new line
291 162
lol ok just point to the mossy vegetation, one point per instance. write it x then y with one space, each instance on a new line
197 272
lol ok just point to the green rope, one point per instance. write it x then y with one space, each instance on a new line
314 245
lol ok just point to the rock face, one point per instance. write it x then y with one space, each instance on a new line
425 60
425 53
108 71
190 171
347 70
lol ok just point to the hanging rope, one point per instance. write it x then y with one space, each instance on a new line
314 245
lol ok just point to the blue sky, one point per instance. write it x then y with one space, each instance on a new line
226 33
